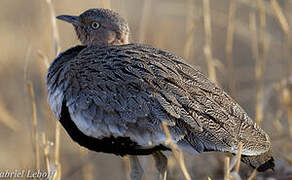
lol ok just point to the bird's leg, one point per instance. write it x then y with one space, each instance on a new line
136 171
161 164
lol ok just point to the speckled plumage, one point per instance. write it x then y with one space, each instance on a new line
127 91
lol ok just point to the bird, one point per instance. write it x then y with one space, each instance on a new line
113 96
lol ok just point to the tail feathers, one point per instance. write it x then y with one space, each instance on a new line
267 165
261 162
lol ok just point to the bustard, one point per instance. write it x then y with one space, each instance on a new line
112 97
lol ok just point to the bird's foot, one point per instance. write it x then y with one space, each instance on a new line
136 171
161 164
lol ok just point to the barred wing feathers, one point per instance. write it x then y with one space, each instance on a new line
129 90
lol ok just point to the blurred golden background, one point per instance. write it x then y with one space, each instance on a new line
243 45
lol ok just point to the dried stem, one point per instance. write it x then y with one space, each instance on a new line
260 62
57 51
178 155
286 29
56 36
189 42
229 45
258 70
87 169
263 43
7 119
45 61
226 168
258 110
253 5
276 123
286 97
46 149
236 169
208 41
190 29
34 123
106 4
253 175
26 63
289 115
44 58
144 20
280 16
126 167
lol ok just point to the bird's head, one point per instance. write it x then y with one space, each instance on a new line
99 27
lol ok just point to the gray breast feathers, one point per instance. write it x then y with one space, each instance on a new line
56 78
129 90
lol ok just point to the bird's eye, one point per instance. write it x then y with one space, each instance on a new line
95 25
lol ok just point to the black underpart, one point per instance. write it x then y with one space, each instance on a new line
115 145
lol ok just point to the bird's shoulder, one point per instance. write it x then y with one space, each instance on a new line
62 59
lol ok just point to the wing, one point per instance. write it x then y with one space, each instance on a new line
109 95
129 90
223 121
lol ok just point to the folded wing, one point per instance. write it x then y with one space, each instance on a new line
129 90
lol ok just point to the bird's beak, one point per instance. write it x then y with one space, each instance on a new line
70 19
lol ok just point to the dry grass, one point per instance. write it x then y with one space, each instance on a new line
236 169
229 46
57 48
249 42
280 17
226 168
144 20
7 119
190 28
208 40
178 154
34 123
